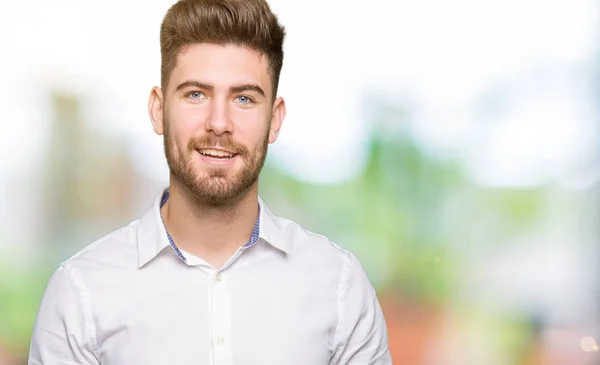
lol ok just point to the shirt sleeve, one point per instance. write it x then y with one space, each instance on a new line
361 337
63 333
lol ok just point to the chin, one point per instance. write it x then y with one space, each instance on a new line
217 190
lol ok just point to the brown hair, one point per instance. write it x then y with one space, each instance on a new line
248 23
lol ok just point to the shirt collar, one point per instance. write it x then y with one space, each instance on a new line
153 238
271 229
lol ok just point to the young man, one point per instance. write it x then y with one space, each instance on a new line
209 275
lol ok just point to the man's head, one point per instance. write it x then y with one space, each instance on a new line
217 107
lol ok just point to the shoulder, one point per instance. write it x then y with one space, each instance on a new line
316 247
323 257
112 249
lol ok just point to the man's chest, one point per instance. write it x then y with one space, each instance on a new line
225 320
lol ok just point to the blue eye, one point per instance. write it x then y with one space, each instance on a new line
244 99
195 95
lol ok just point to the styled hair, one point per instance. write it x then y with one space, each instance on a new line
246 23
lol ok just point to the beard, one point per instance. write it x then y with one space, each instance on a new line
214 185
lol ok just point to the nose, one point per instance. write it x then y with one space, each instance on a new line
218 120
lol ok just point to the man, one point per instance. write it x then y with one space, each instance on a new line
209 275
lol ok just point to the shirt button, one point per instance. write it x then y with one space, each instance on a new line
219 277
220 340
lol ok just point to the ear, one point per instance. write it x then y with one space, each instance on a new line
155 109
277 117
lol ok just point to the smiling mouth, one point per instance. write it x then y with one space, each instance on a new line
217 154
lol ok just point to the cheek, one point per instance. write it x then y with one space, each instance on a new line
251 128
182 124
188 117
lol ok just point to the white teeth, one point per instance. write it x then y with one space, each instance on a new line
215 153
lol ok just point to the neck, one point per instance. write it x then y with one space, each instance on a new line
210 232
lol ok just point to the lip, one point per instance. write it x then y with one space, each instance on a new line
216 149
217 161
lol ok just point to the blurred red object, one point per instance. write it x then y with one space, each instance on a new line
6 358
412 325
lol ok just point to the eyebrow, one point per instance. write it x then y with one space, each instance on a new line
233 90
247 87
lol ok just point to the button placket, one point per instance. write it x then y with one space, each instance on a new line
221 321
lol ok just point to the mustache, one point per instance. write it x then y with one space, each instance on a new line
210 140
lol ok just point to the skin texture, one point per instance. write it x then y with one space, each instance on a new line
219 97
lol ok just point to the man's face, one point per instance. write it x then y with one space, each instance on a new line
218 119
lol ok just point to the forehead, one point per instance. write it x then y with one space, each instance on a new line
221 65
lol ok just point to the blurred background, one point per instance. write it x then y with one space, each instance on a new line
453 146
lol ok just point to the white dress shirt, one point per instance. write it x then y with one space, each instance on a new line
293 298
